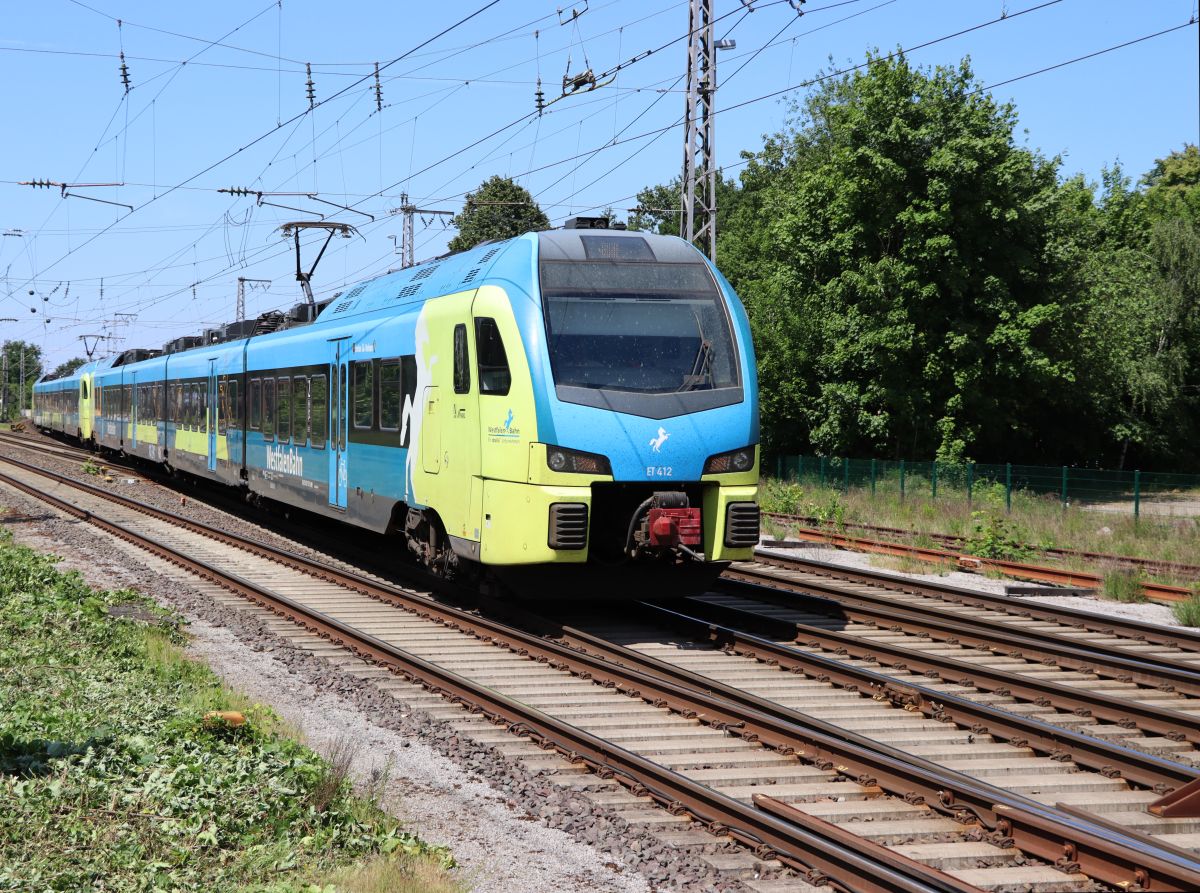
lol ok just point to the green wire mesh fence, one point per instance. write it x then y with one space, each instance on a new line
1136 492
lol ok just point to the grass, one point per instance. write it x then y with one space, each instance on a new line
1035 522
1123 586
1188 612
111 778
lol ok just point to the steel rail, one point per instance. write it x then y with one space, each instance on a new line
1058 576
1126 713
1111 760
952 539
1150 671
1074 843
1172 637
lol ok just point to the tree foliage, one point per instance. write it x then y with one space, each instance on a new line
498 209
20 355
919 283
67 367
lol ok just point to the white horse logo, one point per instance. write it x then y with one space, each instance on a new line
657 442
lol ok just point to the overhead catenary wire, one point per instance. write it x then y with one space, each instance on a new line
336 94
796 86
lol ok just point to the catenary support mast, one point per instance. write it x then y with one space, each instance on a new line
698 187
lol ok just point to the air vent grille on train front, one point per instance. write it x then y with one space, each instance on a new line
426 273
409 290
470 275
568 525
741 525
343 306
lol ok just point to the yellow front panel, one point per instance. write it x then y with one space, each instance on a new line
716 500
516 521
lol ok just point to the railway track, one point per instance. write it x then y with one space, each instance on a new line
1152 702
1151 566
1083 626
709 756
1058 576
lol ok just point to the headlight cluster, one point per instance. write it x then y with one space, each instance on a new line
576 461
732 461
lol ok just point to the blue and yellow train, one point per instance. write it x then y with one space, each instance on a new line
562 400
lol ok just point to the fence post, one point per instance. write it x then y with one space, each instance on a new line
872 478
933 479
1137 495
1008 487
1064 489
824 461
846 476
970 481
901 478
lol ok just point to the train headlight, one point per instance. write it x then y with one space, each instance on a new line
576 461
731 462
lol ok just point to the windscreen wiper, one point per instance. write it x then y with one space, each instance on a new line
701 374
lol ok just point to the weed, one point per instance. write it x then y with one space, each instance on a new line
1123 586
90 467
333 781
1187 612
832 511
992 536
780 497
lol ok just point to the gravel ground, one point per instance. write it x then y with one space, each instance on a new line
1148 613
509 828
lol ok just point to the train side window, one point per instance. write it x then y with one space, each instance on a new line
83 389
462 367
235 404
222 407
494 375
364 394
319 416
283 409
255 404
268 408
390 395
300 410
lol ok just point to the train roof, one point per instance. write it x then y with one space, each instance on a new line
443 275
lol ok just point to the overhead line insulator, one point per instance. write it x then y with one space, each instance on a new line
124 72
309 87
378 90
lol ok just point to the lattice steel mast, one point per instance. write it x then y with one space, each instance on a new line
698 187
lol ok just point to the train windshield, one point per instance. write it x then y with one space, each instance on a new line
641 327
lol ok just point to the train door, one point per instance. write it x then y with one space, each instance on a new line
210 417
338 402
134 409
450 424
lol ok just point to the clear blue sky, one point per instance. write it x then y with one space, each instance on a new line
171 266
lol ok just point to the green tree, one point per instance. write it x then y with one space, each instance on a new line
498 209
891 247
658 206
19 355
67 367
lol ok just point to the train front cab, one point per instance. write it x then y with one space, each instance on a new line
521 478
